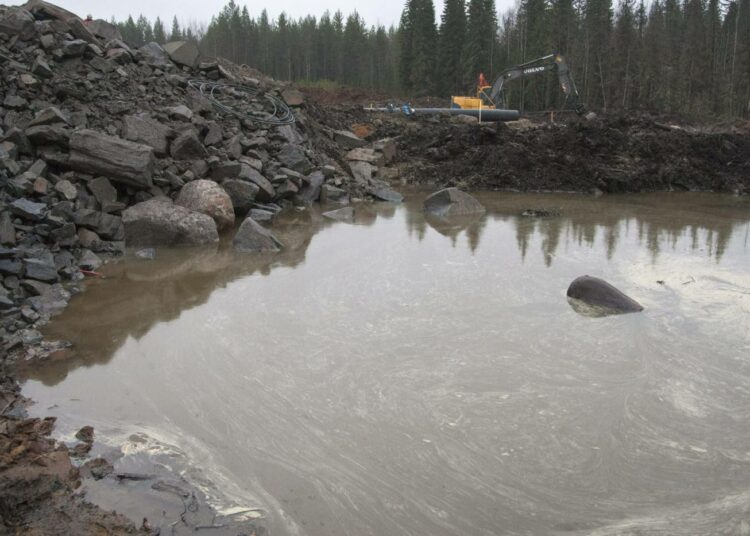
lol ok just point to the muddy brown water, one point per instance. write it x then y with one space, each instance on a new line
409 376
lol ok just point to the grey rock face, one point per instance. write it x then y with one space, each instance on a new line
183 52
187 146
154 55
159 222
66 189
293 157
310 193
254 238
41 267
348 139
104 192
41 68
242 194
386 194
364 154
387 147
104 30
331 194
28 210
7 230
452 202
74 48
15 102
362 172
261 215
49 116
208 198
266 191
598 293
120 160
89 260
17 21
143 129
48 135
180 112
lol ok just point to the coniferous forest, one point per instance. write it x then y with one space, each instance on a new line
690 57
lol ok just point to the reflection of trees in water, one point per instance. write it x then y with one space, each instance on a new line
658 227
139 294
470 225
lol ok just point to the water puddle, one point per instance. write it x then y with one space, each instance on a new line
404 375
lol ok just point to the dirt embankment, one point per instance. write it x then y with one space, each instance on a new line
612 154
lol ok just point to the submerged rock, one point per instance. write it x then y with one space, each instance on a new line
388 195
452 202
341 214
602 296
254 238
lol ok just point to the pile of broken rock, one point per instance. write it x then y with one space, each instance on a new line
103 146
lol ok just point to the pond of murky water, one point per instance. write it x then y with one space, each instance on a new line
402 375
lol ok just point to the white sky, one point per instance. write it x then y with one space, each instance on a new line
385 12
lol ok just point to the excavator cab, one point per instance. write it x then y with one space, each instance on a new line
482 100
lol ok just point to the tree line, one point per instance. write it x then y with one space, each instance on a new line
676 56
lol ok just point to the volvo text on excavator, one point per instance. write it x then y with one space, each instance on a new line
493 97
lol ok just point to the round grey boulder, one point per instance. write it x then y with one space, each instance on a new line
159 222
208 198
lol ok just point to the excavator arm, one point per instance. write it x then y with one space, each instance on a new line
551 62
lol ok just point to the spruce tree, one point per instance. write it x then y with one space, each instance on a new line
452 37
176 34
478 50
406 45
160 36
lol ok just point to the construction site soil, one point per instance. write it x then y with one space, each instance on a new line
610 153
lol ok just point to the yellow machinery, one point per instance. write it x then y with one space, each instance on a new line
482 100
492 97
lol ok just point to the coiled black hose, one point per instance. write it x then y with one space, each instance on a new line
280 114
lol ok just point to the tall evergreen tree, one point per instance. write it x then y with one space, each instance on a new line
452 38
478 50
160 36
176 33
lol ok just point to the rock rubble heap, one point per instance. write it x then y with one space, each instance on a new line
103 146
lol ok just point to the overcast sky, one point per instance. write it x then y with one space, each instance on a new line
383 11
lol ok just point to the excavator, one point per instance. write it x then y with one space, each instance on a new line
493 96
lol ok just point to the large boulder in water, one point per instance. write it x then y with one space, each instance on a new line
599 294
254 238
159 222
208 198
452 202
